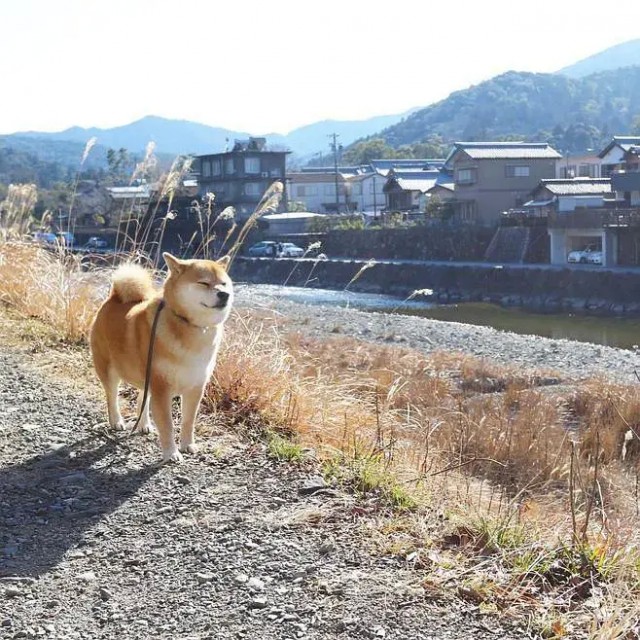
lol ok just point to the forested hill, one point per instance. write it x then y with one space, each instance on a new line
573 114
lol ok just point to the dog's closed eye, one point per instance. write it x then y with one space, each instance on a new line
204 284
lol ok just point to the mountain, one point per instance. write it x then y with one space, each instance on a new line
185 137
314 138
572 113
170 136
621 55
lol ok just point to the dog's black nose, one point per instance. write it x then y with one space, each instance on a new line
223 296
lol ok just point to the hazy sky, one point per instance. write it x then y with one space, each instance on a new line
264 67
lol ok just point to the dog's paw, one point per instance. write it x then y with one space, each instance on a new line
173 455
118 425
146 427
188 447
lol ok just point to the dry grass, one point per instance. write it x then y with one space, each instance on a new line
50 286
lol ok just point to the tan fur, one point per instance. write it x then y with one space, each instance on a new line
185 347
132 283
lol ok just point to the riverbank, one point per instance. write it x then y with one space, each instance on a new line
544 288
577 360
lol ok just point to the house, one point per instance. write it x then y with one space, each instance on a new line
240 177
291 223
626 185
492 177
579 166
564 195
568 205
407 190
382 167
603 213
367 192
620 153
320 192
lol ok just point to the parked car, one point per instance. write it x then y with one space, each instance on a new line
582 255
264 248
44 238
96 242
594 257
290 250
66 238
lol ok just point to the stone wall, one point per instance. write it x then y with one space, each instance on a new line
420 242
537 288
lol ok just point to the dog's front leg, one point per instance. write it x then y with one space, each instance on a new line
190 403
161 412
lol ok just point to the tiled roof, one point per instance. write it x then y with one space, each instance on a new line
577 186
383 166
624 142
347 171
310 178
504 151
415 180
292 215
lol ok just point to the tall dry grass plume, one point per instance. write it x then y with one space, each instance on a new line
16 211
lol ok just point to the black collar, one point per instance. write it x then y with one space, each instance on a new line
183 318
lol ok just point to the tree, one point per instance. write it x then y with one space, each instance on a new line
368 150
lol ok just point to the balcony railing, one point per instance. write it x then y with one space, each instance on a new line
595 218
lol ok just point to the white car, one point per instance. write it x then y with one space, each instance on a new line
594 257
582 255
290 250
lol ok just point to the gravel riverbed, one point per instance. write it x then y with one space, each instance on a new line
572 359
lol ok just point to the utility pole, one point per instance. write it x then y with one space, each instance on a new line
335 149
374 199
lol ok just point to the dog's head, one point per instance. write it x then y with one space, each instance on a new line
199 291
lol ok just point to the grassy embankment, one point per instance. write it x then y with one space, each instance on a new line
521 498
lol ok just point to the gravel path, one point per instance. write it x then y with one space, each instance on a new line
97 542
572 359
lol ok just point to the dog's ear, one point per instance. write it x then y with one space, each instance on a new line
175 265
224 262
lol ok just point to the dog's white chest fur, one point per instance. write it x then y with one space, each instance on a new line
192 369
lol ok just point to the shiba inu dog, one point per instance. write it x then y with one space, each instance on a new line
196 298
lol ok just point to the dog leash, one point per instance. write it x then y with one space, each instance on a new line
147 375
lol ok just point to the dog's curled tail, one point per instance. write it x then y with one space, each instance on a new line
132 283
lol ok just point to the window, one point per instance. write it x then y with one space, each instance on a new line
252 165
517 171
467 211
465 176
216 168
588 171
251 189
229 167
206 169
303 190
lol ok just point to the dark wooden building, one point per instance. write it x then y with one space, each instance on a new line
240 177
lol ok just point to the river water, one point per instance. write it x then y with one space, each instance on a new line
623 333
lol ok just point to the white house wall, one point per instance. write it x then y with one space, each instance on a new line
365 200
614 156
569 203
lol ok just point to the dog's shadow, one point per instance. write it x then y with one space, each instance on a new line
48 502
